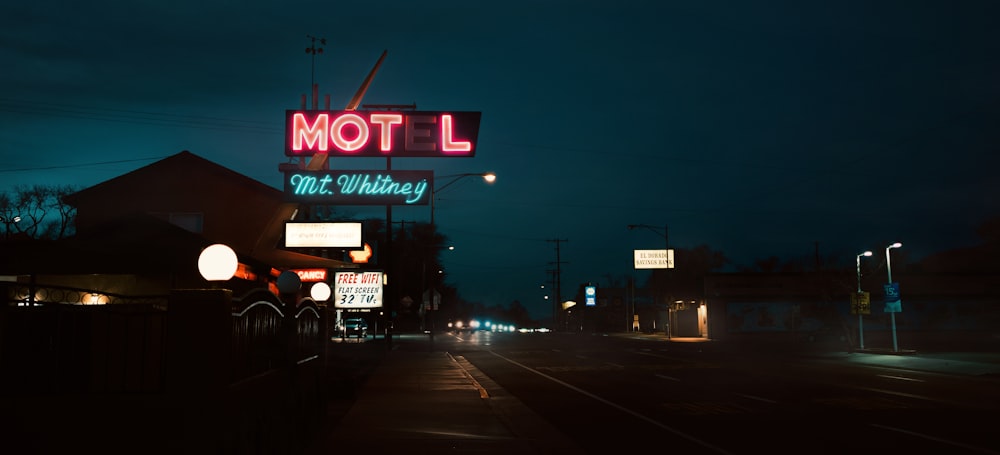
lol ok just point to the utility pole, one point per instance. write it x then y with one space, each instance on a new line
552 285
558 275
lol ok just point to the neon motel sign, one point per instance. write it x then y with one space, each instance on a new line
360 187
387 134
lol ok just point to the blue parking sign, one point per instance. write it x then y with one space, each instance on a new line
893 304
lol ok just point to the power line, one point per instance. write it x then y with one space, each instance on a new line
135 117
65 166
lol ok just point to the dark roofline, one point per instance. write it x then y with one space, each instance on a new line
182 156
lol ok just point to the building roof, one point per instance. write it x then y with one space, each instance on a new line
177 167
187 182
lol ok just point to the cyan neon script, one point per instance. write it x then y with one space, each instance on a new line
360 187
388 134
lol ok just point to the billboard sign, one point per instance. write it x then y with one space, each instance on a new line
353 187
381 134
357 289
323 235
653 259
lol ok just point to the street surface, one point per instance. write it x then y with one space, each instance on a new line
621 392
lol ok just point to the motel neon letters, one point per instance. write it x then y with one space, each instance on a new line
389 134
360 187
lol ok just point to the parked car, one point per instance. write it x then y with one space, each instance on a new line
355 327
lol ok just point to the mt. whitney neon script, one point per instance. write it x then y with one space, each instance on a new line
360 187
383 134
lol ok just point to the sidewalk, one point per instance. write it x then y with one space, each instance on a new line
431 402
961 362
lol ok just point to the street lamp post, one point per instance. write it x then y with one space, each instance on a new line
892 314
666 243
488 177
861 330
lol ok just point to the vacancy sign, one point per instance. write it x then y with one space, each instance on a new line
654 259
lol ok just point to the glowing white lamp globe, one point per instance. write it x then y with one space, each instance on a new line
320 292
217 262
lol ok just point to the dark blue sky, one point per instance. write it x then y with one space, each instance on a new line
757 128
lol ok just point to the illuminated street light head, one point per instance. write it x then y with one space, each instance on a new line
866 253
895 245
489 177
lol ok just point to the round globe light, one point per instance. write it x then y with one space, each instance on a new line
320 292
288 282
217 262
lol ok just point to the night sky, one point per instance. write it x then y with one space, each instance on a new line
756 128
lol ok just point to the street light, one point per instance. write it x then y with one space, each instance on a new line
488 177
9 221
861 330
892 314
887 266
865 254
666 244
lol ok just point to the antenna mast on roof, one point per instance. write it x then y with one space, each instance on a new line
313 50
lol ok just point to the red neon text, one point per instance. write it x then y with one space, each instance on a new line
359 278
358 133
311 275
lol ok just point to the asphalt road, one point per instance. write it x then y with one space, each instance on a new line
615 393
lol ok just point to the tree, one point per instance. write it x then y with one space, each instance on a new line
40 209
688 275
976 259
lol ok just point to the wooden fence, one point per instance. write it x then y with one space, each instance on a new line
196 371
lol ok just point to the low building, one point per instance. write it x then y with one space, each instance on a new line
141 233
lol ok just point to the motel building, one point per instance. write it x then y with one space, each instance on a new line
141 234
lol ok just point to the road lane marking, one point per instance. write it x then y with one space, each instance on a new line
616 406
936 439
901 378
669 378
910 395
765 400
705 408
577 368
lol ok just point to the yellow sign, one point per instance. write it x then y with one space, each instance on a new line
861 303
